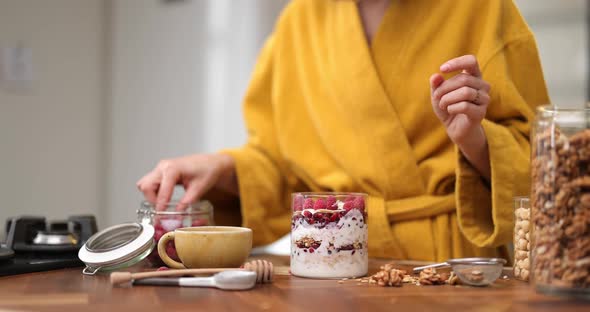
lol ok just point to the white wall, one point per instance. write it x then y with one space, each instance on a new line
50 137
562 37
179 72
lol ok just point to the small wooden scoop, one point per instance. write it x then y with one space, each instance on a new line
263 269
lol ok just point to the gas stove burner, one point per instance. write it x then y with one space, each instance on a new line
33 244
6 253
34 234
55 238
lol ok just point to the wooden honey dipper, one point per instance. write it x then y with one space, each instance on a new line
264 272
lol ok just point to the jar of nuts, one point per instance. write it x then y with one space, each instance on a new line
560 201
522 216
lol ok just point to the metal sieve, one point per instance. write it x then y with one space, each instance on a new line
472 271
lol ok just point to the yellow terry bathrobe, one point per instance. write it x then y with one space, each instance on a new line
326 111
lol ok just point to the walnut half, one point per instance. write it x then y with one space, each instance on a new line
431 277
389 276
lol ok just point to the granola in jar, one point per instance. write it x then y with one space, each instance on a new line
560 200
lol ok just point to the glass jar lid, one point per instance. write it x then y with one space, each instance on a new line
117 247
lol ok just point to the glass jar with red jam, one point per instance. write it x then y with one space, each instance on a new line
329 235
167 220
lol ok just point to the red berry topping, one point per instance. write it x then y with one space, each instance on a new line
311 250
348 206
331 202
307 214
349 198
359 203
320 204
335 218
298 203
308 203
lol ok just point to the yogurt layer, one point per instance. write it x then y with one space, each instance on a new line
330 249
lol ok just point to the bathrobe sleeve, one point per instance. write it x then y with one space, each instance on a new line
263 187
485 210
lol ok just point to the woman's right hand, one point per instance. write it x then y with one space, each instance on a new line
197 173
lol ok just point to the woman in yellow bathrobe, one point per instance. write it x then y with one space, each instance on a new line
340 100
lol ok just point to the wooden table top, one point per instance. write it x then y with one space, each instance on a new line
69 289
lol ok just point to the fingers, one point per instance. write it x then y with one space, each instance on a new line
197 173
467 63
149 186
170 177
192 193
166 190
435 81
464 94
472 111
458 81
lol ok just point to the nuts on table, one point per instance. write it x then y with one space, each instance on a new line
473 275
389 276
454 279
431 277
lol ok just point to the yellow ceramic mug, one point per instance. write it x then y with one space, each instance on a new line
207 247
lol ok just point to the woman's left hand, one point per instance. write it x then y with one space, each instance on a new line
461 103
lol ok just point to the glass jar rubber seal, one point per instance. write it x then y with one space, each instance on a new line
117 247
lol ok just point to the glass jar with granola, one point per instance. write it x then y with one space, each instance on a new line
560 200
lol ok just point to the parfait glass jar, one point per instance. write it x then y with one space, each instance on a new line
560 200
167 220
329 235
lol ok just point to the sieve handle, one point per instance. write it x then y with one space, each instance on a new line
432 266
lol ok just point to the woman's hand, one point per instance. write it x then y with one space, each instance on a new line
196 173
461 103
